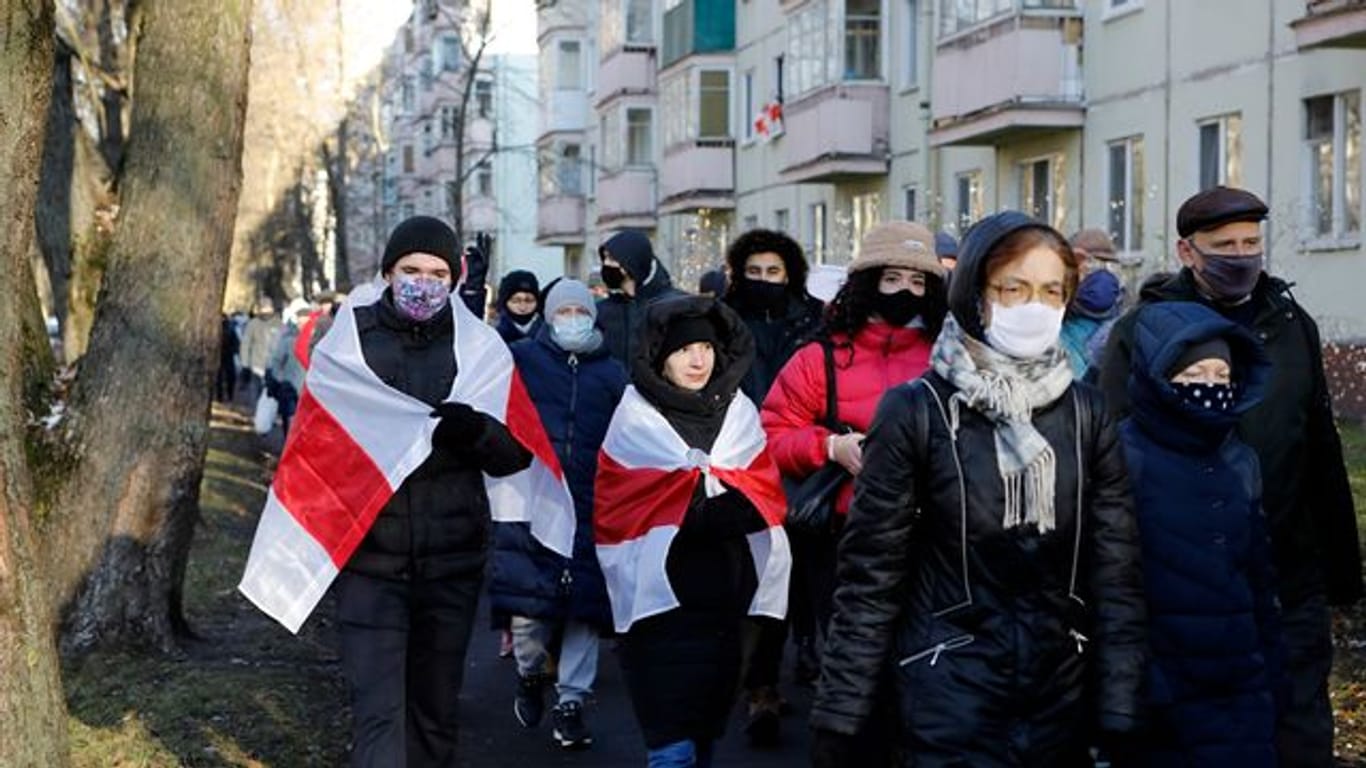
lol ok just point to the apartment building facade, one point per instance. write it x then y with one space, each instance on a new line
835 114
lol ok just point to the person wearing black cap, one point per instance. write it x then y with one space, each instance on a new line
635 277
990 563
1308 500
406 598
519 307
1217 669
712 283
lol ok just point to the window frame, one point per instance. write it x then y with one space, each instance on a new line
1338 236
1128 238
1228 165
628 159
969 202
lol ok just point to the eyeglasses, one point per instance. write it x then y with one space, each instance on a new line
1013 293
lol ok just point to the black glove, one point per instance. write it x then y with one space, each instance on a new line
460 428
476 267
830 749
272 386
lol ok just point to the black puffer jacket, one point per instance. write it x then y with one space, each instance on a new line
622 317
1007 646
1307 498
682 667
436 525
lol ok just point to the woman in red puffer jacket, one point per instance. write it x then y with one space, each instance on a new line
880 328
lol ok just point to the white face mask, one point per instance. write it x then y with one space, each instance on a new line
574 333
1028 330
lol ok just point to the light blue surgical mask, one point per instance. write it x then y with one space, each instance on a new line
574 333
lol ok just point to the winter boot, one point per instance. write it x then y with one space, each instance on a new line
570 732
529 703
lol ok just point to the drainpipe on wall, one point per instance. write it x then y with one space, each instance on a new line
1270 127
933 194
1167 245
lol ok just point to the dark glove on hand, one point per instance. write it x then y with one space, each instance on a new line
460 428
476 268
830 749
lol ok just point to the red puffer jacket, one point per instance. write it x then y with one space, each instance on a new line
882 356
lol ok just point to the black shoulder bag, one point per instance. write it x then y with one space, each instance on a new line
811 500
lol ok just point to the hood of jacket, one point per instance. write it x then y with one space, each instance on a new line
1162 333
734 355
632 250
969 276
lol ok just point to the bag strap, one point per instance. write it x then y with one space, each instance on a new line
832 403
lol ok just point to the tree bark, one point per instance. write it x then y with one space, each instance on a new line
32 711
141 403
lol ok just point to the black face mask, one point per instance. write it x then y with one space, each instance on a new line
612 277
898 308
1230 278
519 318
762 295
1209 397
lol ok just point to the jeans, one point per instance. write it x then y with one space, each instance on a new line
681 754
578 667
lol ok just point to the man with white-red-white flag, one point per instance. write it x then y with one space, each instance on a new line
412 426
688 521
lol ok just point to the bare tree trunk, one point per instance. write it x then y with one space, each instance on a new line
32 711
336 190
141 403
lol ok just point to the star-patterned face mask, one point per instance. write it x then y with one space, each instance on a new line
1204 395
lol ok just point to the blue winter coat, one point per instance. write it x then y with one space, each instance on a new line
1213 619
575 396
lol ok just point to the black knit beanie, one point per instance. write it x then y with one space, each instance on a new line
515 282
1215 348
422 234
682 332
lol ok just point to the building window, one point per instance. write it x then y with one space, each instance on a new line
639 21
750 222
713 104
778 81
428 142
1041 185
570 170
408 163
450 53
817 234
1333 141
865 212
638 129
1221 152
484 179
1125 193
862 29
483 98
808 48
592 171
447 121
781 220
408 96
569 70
749 113
909 61
908 196
971 203
957 15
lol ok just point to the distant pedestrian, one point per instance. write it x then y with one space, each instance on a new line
635 277
575 386
519 304
689 526
1098 303
946 248
286 370
225 387
258 342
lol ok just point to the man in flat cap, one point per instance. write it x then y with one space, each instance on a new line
1304 488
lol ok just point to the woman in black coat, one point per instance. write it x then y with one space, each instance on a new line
990 562
689 525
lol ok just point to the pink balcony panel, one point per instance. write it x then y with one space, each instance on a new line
836 132
627 199
560 220
1332 24
626 71
697 174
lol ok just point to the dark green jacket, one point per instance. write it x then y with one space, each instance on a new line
1307 498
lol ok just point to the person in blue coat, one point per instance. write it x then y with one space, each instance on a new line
575 385
1214 626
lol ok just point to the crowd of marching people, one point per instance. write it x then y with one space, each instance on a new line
999 507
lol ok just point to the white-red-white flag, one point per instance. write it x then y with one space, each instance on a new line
646 478
354 440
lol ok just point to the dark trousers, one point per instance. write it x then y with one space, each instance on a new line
403 656
288 398
1304 732
225 386
764 639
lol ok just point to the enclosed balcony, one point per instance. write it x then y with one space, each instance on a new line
560 220
836 133
1331 24
698 26
1007 69
698 174
627 71
626 198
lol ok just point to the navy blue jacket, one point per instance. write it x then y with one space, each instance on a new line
1214 622
575 396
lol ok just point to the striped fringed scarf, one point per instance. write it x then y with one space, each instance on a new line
1008 391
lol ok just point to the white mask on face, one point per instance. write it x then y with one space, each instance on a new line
1028 330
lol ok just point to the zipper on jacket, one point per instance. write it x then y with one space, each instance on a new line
573 404
933 651
1080 639
962 502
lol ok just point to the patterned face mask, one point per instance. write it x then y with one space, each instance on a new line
1204 395
420 298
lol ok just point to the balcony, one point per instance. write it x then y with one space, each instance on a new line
698 26
625 72
1015 75
1331 24
626 198
698 174
566 110
560 220
836 133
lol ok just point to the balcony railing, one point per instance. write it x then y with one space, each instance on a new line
698 174
626 198
698 26
560 220
1331 24
957 16
836 132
